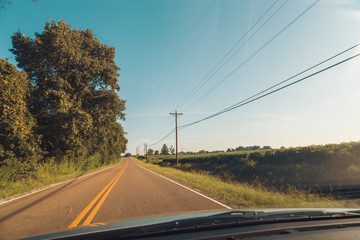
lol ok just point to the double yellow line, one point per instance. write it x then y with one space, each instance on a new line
103 194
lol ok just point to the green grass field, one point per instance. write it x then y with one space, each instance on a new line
301 167
243 195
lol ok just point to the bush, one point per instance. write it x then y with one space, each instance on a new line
14 169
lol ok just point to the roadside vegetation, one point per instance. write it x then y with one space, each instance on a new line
268 177
60 110
242 194
47 173
301 167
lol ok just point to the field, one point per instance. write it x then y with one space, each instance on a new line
312 167
244 195
267 178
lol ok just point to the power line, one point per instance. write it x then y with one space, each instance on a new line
206 79
296 75
252 98
243 63
163 138
164 127
259 50
237 105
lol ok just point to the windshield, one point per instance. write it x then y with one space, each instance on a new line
118 111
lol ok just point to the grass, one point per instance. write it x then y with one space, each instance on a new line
243 195
316 166
49 173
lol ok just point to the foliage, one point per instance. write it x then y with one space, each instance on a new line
150 151
47 172
165 150
63 110
248 148
17 140
74 93
241 194
302 167
172 150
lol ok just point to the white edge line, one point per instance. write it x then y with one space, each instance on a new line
192 190
51 186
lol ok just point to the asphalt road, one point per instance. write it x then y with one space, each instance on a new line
124 192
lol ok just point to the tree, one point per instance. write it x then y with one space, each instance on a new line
75 91
16 123
172 150
156 152
240 148
164 150
150 151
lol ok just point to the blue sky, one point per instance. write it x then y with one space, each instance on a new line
165 48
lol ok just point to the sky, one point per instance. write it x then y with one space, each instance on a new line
165 48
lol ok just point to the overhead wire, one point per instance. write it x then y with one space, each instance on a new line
207 78
298 74
164 127
257 97
259 50
243 63
162 138
242 103
202 83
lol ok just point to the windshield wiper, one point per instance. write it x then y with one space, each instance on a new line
234 218
239 217
219 220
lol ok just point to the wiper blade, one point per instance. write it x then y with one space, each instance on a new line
219 220
239 218
286 214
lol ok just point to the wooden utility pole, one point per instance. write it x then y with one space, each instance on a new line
176 114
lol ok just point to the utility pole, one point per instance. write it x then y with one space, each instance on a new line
176 114
145 151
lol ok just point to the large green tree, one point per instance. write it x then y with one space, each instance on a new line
75 90
16 123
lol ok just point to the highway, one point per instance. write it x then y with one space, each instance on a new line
123 192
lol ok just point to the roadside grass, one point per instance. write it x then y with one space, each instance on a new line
243 195
49 173
312 167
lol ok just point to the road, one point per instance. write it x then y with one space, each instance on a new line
126 191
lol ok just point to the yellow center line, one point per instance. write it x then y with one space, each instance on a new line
90 205
98 205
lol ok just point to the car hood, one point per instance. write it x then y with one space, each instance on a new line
103 227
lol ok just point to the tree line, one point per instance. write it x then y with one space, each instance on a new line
63 101
248 148
165 150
